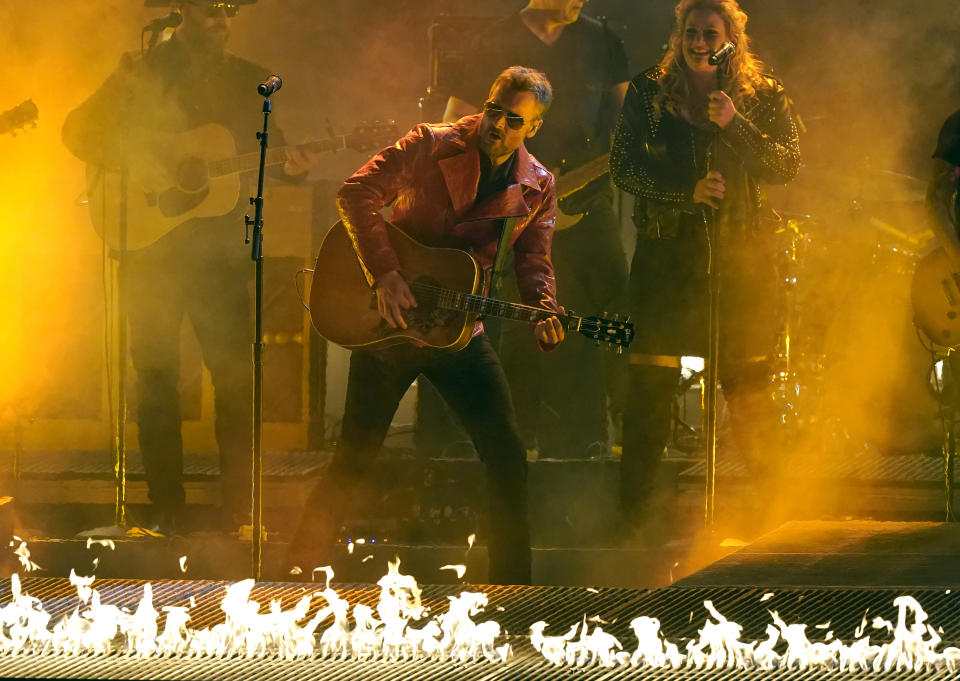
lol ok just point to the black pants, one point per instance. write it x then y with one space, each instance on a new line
647 423
164 283
668 299
473 384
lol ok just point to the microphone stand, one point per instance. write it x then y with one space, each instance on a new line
255 237
120 444
712 378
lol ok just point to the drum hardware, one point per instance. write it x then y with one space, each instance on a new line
863 183
688 403
842 286
941 382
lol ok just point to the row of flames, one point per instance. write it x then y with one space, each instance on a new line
719 646
387 632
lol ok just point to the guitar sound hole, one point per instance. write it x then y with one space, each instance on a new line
192 174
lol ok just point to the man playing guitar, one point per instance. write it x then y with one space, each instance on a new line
935 289
449 186
201 268
561 398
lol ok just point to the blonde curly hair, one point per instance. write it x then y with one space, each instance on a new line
740 74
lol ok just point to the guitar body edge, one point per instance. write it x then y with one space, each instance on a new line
343 307
935 297
146 220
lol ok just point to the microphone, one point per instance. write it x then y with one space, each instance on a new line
171 20
722 54
270 85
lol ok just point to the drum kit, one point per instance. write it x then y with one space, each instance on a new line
850 370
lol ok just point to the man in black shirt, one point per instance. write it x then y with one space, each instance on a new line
942 193
561 398
201 268
943 201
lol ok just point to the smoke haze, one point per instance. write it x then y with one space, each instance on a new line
872 81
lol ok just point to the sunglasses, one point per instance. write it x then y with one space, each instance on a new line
495 111
213 9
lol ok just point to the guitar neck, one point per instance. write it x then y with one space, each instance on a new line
578 178
275 156
490 307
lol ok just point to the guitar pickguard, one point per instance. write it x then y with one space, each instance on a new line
427 316
174 202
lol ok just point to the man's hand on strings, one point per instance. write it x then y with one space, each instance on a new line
549 331
720 108
710 189
299 160
393 296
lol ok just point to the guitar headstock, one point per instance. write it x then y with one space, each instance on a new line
19 117
373 136
615 332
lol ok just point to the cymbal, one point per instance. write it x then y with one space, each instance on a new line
860 183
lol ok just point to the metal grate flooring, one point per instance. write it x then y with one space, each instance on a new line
680 610
83 464
861 468
867 467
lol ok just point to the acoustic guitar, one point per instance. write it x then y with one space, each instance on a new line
448 285
197 176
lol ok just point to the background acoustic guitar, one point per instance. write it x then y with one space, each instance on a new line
198 176
448 285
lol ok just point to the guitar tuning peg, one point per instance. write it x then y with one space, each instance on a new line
619 349
606 315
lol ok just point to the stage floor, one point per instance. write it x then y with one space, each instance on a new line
681 610
849 553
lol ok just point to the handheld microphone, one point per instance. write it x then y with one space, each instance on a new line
171 20
270 85
722 54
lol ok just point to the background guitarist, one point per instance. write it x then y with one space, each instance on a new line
450 186
587 65
201 268
945 178
943 199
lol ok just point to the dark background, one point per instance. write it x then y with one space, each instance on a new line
871 79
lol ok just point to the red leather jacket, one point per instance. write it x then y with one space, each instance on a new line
430 176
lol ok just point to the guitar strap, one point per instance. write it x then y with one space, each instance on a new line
500 259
